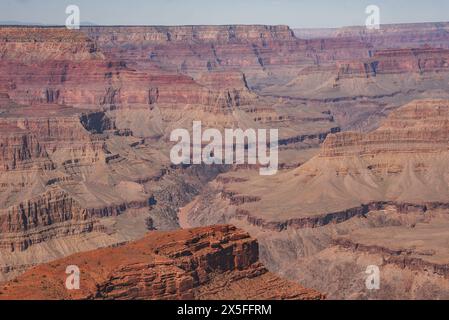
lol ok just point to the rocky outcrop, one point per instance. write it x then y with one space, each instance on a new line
397 61
403 258
419 127
333 217
54 214
187 264
18 148
188 34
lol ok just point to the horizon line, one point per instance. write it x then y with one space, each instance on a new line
91 24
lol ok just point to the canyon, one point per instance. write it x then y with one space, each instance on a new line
377 198
85 123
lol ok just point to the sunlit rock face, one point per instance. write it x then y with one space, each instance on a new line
85 123
184 264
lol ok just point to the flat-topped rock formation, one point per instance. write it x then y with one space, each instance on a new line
34 44
219 262
60 66
266 54
202 33
397 61
192 50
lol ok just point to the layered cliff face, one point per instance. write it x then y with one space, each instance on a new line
193 49
36 61
188 34
266 54
90 70
389 181
30 44
84 159
60 66
270 56
397 61
187 264
401 161
224 98
420 126
47 160
85 119
384 74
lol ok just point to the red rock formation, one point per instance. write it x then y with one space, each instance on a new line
192 50
60 66
187 264
197 49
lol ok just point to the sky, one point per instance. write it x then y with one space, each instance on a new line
295 13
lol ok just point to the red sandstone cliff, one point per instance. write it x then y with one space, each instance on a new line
217 262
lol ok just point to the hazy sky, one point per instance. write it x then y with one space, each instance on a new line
295 13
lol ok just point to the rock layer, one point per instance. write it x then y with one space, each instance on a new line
399 162
85 119
188 264
377 198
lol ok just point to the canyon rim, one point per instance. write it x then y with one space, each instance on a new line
146 161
